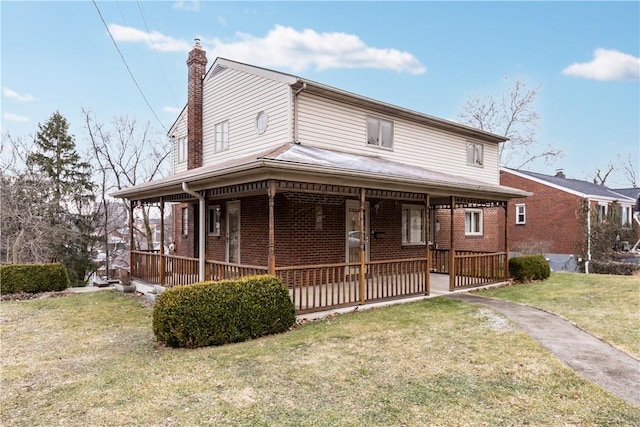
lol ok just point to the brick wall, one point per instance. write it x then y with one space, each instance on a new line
310 229
491 240
553 220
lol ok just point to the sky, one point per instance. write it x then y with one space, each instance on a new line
128 58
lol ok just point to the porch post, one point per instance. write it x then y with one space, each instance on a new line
362 246
131 244
161 240
427 237
452 248
271 258
506 241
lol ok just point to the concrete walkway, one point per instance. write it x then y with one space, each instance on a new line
592 358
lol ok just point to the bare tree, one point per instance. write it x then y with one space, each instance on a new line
630 172
601 175
126 153
512 115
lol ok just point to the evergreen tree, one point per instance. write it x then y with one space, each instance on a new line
56 161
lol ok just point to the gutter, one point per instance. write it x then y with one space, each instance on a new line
201 227
295 113
586 264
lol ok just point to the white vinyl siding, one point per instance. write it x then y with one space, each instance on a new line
179 133
238 97
329 124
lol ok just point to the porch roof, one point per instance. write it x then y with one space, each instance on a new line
317 165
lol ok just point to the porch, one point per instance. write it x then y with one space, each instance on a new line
322 287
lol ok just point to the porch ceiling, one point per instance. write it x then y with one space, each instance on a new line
315 165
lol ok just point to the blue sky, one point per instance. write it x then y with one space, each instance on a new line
425 56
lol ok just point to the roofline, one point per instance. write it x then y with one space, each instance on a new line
355 99
270 168
593 197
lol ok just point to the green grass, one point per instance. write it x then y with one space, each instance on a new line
606 306
92 359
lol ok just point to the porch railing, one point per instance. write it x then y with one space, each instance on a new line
319 287
472 270
218 270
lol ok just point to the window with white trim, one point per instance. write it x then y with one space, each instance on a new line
181 148
475 153
473 222
521 214
601 212
185 221
214 221
379 132
413 225
222 136
625 216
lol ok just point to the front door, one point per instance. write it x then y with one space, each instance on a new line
233 232
353 231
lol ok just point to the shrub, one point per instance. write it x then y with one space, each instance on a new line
529 267
33 278
216 313
613 267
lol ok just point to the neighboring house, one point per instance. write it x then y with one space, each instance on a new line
553 220
346 198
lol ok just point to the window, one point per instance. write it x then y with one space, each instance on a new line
625 216
379 132
214 221
473 222
601 213
182 149
475 153
413 225
222 136
185 221
521 214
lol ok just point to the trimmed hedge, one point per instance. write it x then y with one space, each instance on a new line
217 313
33 278
613 267
529 267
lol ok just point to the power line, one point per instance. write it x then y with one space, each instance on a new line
164 74
127 66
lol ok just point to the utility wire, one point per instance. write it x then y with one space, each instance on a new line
164 74
127 66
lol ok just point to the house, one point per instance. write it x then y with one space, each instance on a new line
558 220
346 198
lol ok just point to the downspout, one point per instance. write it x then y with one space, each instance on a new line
295 113
201 226
586 264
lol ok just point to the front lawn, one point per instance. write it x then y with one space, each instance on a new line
606 306
91 359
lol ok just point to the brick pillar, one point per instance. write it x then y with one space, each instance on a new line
197 64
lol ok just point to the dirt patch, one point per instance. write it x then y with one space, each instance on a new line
20 296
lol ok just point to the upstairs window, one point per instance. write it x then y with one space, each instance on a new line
521 214
222 136
475 153
413 225
182 149
379 132
473 222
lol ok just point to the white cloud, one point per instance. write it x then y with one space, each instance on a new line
172 110
301 50
8 93
190 6
14 117
607 64
160 41
286 47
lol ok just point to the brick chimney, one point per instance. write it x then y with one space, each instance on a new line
197 64
560 173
